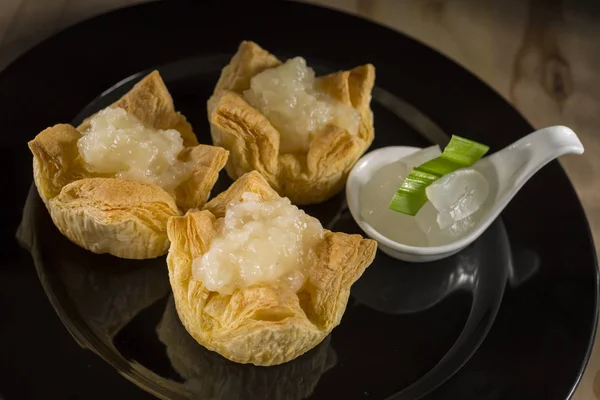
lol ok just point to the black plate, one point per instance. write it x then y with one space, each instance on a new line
407 330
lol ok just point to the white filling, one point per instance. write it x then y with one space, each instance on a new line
287 96
118 143
259 242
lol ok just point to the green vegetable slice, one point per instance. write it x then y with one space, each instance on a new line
459 153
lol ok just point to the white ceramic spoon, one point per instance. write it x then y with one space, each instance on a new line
506 171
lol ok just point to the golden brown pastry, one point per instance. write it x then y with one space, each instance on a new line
304 161
105 212
264 323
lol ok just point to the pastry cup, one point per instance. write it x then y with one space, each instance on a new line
104 214
261 324
305 178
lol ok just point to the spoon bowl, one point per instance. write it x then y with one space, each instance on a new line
506 172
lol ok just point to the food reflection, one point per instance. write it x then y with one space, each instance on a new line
397 287
106 291
406 289
209 376
524 264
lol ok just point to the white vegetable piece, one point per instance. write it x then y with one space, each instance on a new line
458 195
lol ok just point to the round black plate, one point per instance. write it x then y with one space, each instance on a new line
408 328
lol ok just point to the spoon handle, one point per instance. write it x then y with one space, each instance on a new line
508 169
518 162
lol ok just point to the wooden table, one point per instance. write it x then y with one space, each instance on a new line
543 56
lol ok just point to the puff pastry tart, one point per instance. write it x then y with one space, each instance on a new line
111 184
302 133
256 279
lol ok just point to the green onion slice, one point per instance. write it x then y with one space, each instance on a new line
459 153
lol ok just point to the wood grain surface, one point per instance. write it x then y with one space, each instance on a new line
543 56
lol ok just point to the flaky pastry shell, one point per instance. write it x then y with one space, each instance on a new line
305 178
104 214
261 324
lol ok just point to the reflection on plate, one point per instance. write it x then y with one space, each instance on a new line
400 287
106 291
396 287
209 376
